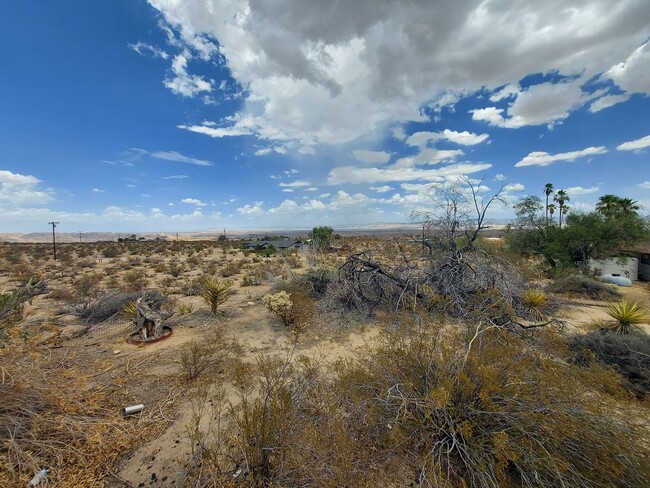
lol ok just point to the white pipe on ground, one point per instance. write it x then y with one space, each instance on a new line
132 409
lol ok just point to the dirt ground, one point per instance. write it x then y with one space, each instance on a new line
583 315
152 374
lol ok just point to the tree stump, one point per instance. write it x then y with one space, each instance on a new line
148 323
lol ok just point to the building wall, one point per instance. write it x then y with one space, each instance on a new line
626 267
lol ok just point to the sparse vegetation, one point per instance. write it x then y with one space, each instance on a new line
439 394
446 415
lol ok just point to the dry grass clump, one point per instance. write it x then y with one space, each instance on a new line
579 286
111 251
535 303
209 354
54 420
87 286
431 411
12 303
135 280
231 268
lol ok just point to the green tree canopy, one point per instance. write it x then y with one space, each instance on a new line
585 236
321 237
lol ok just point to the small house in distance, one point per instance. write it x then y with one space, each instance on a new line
281 246
633 264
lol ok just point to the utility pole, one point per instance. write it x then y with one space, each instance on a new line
53 224
79 237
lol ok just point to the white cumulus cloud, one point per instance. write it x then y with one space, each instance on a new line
17 189
193 201
540 158
635 145
579 190
183 83
348 72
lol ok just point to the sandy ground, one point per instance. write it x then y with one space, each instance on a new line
583 315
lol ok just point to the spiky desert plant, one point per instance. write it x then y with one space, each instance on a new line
185 308
215 292
534 301
130 310
625 315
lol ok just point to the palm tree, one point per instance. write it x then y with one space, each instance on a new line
608 205
550 208
628 206
548 190
561 197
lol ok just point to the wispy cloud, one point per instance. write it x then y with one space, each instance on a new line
635 145
540 158
144 49
176 156
578 190
295 184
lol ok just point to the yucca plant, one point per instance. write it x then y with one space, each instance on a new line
534 301
185 308
215 292
625 315
130 309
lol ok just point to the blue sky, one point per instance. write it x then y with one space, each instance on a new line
171 115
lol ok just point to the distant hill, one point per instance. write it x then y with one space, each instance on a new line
494 227
72 237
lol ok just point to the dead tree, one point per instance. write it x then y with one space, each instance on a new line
457 270
147 321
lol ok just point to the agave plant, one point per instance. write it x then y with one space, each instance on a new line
625 315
